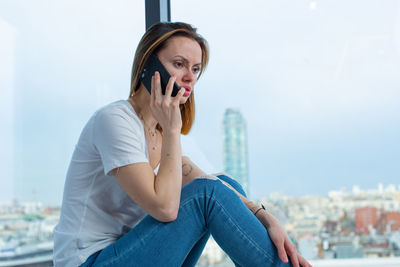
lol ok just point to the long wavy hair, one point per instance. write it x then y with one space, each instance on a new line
154 40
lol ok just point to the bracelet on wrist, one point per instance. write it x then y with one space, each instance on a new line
261 208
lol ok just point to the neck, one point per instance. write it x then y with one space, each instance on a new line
140 102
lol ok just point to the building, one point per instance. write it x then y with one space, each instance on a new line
235 147
366 219
389 221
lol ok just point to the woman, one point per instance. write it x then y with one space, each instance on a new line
132 199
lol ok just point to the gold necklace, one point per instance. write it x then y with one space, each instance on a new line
151 133
148 127
153 144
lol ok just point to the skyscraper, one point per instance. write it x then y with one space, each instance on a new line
235 146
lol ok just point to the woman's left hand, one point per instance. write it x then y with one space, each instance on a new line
281 240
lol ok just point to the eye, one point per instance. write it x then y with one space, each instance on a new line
196 70
178 64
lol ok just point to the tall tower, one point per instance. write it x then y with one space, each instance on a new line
235 147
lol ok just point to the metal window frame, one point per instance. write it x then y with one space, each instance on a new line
157 11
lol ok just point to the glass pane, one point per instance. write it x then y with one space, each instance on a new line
59 62
63 61
317 83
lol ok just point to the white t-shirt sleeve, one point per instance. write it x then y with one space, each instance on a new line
119 139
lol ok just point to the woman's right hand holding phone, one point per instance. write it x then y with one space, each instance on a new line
159 194
165 108
167 186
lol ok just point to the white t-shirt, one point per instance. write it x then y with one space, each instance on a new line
96 211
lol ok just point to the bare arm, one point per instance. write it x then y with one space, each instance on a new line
159 195
190 171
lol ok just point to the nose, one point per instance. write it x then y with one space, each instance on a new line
189 76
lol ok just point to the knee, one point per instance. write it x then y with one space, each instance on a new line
206 193
202 186
235 184
203 181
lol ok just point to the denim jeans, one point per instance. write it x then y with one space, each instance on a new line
207 207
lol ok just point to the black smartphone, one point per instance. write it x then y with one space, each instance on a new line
152 65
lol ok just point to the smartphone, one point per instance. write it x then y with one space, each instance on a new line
152 65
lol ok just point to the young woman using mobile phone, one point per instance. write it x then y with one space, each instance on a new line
132 199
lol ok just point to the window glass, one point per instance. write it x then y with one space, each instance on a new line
59 62
314 83
63 60
317 83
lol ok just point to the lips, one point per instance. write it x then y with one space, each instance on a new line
188 90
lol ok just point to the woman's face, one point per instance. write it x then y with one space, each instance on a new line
182 59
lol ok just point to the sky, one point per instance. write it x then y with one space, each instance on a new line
317 82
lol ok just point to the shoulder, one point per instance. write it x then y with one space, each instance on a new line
120 107
115 113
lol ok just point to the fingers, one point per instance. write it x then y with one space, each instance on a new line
293 257
303 262
282 253
156 85
152 93
296 259
178 96
157 90
170 86
286 249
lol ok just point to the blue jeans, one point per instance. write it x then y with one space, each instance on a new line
207 207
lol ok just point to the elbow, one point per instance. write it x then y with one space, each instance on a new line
169 217
168 214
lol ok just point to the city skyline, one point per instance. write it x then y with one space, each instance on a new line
341 226
320 99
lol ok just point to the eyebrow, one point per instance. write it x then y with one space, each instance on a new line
187 61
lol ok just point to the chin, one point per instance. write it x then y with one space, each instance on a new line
184 99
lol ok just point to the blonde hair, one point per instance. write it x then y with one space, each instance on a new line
154 40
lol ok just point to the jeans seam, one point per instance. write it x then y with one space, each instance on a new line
114 259
226 213
117 257
240 230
